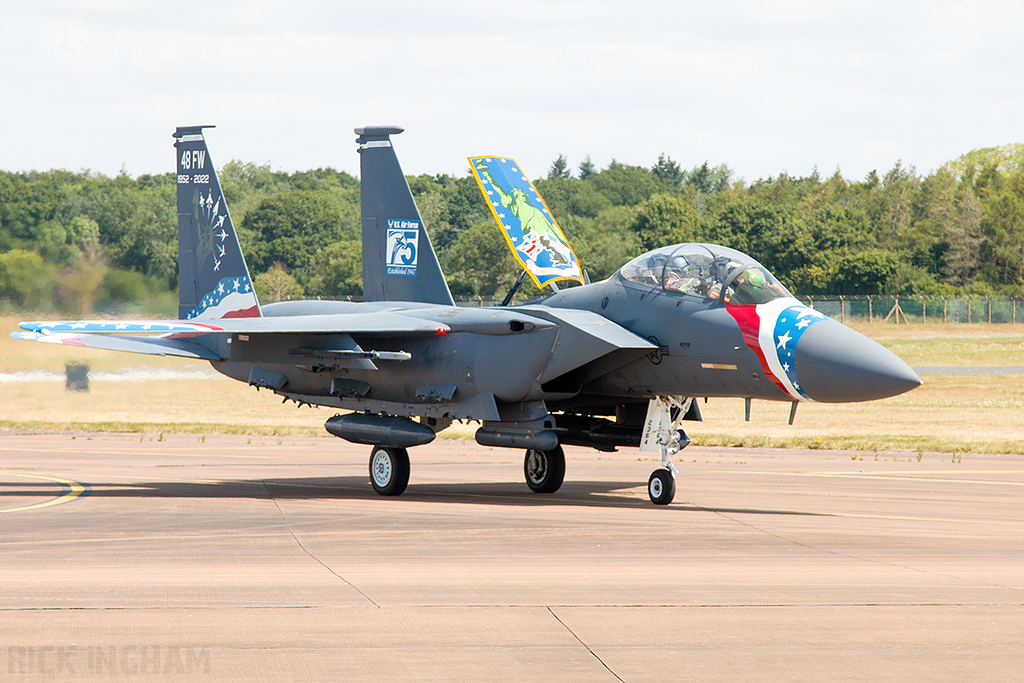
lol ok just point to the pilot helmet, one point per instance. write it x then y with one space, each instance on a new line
756 278
721 267
656 264
679 262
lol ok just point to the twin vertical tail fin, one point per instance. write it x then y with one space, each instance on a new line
399 263
213 280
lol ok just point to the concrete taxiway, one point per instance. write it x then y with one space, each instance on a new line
229 558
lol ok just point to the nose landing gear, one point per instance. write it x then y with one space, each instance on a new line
661 486
661 432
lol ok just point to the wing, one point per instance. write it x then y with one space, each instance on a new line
590 344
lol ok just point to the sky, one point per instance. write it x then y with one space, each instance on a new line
765 86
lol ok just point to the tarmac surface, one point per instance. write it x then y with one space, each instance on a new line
224 558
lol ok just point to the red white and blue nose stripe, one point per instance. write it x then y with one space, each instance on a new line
772 331
783 323
811 357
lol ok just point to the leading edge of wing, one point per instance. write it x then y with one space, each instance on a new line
378 323
116 326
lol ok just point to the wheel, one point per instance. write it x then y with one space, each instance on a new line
389 470
661 487
544 470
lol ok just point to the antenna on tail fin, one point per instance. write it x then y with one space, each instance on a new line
213 280
399 263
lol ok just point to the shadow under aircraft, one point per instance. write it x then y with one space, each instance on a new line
596 494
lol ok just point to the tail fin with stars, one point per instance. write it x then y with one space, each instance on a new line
213 280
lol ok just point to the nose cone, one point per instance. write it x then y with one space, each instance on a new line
834 364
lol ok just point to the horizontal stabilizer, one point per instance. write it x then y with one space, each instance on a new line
376 323
117 326
154 346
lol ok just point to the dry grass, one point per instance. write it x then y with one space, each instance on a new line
961 413
951 345
887 331
196 407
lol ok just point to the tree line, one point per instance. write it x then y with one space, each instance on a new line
78 241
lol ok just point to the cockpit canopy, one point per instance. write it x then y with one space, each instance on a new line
706 271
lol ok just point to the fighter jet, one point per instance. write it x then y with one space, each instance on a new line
610 364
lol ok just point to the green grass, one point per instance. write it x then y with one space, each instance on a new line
994 351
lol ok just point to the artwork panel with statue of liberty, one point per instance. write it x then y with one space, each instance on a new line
533 235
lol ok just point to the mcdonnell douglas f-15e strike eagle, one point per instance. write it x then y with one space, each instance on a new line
608 364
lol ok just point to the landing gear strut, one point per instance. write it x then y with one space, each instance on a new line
662 433
389 470
544 470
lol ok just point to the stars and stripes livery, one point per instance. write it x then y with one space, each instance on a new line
772 331
213 278
116 327
231 298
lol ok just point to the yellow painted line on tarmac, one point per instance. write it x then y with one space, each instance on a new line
162 480
73 489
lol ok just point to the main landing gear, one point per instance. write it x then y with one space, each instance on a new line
544 470
389 470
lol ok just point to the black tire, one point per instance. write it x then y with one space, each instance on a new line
661 487
389 470
544 470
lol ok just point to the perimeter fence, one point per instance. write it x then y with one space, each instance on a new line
917 309
891 309
861 308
